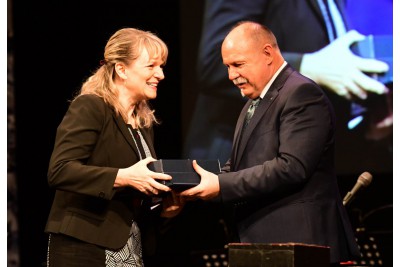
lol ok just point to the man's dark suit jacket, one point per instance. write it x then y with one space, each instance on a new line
281 175
91 144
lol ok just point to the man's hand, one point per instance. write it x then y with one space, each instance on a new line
208 187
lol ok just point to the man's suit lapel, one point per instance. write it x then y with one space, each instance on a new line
273 92
238 130
262 108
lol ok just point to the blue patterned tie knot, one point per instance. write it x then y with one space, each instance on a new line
251 109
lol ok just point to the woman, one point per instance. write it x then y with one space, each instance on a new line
98 167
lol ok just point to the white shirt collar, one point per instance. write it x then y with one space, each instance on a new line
265 90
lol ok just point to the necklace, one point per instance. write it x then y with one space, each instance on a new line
134 140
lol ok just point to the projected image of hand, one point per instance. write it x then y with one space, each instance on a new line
340 70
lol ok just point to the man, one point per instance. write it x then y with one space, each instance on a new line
319 49
281 174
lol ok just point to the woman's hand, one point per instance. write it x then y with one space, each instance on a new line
172 205
141 178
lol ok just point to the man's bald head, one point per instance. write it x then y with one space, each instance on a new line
252 56
251 33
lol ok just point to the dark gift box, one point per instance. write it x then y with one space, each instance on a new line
183 174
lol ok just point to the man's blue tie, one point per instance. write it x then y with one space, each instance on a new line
250 111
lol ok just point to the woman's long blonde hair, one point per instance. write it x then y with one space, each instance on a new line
125 46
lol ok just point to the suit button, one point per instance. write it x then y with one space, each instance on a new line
102 194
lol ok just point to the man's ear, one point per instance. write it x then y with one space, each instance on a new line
120 70
268 52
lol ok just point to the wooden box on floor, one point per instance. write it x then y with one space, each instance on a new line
277 255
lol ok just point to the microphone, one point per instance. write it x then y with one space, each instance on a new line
363 181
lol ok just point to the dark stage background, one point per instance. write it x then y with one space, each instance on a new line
55 46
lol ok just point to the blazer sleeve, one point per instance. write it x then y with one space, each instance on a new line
76 139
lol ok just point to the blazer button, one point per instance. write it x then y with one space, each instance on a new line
102 194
